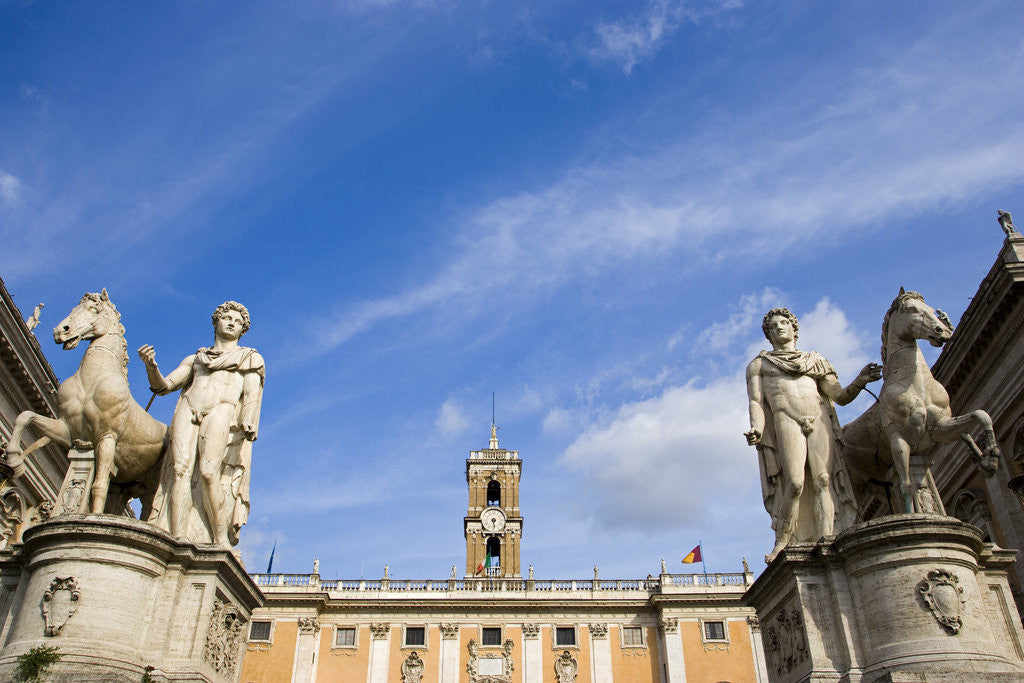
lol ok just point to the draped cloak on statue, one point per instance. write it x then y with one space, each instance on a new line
815 366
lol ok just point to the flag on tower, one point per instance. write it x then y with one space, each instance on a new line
693 556
486 563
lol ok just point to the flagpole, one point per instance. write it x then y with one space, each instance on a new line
700 544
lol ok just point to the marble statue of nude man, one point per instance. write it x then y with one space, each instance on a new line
214 425
794 426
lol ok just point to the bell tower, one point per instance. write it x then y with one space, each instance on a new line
493 525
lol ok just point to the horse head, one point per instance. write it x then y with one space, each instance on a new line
910 318
94 316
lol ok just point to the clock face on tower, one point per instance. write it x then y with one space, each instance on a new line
492 519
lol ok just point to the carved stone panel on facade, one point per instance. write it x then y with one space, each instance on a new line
449 631
598 630
785 641
60 602
943 595
380 631
531 630
490 668
412 669
309 624
225 638
566 667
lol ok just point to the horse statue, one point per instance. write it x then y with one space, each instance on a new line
912 413
96 410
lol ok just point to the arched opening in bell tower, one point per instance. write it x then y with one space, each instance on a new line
493 494
494 551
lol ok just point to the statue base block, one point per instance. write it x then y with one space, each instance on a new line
909 597
121 598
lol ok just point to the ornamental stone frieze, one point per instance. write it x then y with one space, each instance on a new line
531 630
598 630
449 631
668 625
380 631
309 625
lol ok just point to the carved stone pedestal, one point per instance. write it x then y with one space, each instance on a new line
119 597
901 598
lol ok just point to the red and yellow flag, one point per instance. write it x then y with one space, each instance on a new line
693 556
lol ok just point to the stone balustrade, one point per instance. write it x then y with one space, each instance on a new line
664 583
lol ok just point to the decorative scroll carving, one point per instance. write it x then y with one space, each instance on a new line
412 669
785 641
531 630
309 624
490 668
449 631
60 602
942 593
566 667
598 630
380 631
668 625
225 638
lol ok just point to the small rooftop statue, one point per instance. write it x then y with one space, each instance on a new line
1006 222
33 320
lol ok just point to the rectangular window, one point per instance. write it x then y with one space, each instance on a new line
490 636
260 630
565 635
345 637
714 630
632 636
415 636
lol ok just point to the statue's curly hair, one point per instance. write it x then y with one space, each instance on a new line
232 306
785 312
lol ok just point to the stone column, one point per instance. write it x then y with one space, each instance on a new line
672 646
757 648
305 650
449 654
600 653
533 663
380 651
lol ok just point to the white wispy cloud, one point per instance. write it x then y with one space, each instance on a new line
451 420
628 41
10 189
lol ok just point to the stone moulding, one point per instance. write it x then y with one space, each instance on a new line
943 595
58 607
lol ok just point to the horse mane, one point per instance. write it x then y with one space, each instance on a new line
897 304
104 301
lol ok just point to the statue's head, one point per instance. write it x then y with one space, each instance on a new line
785 313
236 307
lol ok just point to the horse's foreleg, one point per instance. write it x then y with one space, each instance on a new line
104 460
52 429
986 453
901 461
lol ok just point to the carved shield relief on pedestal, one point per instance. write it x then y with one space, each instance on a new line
60 601
942 593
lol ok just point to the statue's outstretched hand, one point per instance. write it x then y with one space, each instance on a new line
753 437
872 372
148 355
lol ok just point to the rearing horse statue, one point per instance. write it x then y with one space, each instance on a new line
95 408
912 413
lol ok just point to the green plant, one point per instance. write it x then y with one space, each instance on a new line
34 663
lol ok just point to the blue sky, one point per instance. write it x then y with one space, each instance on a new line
584 207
